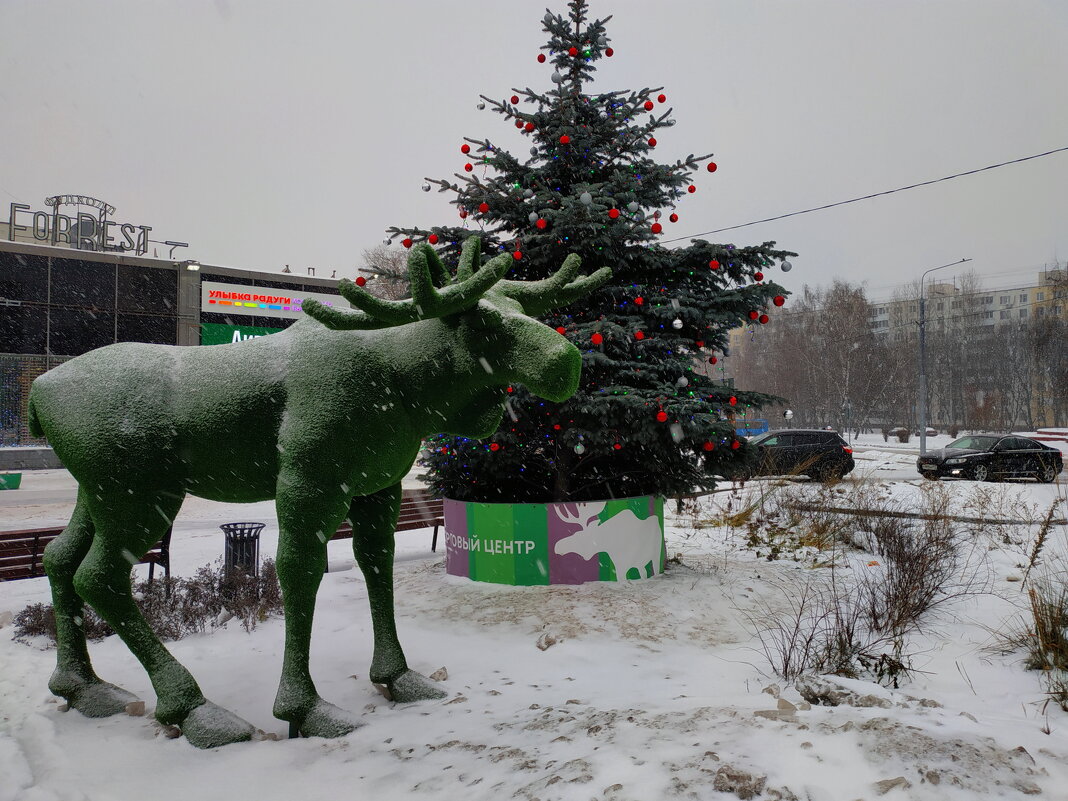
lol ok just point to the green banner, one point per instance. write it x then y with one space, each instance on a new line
221 334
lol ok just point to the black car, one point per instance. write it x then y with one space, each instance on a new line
817 453
989 457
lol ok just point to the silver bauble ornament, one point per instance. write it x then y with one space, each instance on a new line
786 266
586 198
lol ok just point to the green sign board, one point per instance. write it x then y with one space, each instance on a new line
219 334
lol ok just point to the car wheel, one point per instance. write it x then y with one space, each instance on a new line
980 473
1047 474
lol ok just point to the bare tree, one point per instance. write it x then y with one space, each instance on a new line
386 270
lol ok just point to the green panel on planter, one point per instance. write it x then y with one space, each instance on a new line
492 525
533 527
220 334
606 570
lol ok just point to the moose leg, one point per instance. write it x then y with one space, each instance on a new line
74 678
103 579
305 526
374 518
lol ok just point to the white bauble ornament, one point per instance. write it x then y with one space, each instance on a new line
586 198
533 216
557 78
580 448
682 382
676 323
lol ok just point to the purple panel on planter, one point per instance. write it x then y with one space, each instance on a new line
457 558
567 568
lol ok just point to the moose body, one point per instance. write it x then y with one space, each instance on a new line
325 417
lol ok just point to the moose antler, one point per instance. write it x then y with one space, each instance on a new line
473 279
559 289
425 274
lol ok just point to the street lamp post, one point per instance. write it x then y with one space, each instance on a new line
923 356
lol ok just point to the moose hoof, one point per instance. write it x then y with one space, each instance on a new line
411 686
209 726
95 698
326 720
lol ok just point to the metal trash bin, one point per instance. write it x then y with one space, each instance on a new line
242 548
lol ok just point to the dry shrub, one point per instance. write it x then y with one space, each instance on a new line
175 607
855 620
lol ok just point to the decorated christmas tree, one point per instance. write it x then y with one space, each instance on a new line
650 415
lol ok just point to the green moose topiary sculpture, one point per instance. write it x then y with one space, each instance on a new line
326 418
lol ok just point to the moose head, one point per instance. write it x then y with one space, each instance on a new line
326 418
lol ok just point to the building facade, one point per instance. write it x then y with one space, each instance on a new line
59 302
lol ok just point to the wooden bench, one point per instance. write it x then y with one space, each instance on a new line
21 552
417 510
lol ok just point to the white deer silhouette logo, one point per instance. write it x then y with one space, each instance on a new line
629 541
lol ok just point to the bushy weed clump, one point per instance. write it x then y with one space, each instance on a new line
887 574
175 607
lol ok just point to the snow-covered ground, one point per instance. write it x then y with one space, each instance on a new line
648 690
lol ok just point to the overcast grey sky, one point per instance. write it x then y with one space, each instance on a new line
267 132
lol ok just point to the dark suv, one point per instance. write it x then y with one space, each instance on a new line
823 455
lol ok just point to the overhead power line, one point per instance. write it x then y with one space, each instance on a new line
869 197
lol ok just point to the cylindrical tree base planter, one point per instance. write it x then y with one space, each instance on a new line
555 543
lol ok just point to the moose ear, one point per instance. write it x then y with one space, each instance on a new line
439 276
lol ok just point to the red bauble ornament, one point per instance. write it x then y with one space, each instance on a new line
648 105
617 446
609 52
463 214
778 300
712 167
674 217
652 141
565 139
465 148
661 416
661 98
515 99
712 360
613 213
529 126
657 228
735 445
511 389
753 315
709 446
517 255
758 276
407 243
691 189
483 207
699 344
360 281
432 239
541 58
541 224
572 51
560 330
639 300
764 319
596 339
733 401
519 124
639 335
495 446
468 167
714 264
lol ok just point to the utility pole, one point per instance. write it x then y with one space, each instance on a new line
922 401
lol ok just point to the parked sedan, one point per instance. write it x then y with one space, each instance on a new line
991 457
820 454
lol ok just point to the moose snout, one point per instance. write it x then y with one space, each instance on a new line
557 377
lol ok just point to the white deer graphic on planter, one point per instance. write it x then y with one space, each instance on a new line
629 541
